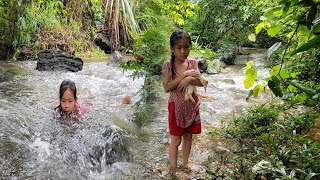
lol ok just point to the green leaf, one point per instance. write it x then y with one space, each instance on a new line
251 75
274 30
305 3
286 7
316 29
274 85
308 45
311 15
256 90
301 97
275 70
261 26
292 88
249 95
284 74
303 88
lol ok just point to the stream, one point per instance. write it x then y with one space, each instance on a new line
108 145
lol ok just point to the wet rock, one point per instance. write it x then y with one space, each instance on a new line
115 150
56 59
6 51
202 64
103 42
212 71
115 58
96 155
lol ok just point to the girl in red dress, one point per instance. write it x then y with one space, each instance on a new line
184 117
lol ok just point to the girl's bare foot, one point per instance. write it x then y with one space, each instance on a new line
172 173
188 168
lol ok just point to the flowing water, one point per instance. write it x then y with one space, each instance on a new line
108 145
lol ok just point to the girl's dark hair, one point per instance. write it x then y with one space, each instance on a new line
63 87
174 38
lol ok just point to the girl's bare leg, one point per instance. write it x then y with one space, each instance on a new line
186 148
173 152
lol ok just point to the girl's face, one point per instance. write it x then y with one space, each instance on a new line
181 49
68 102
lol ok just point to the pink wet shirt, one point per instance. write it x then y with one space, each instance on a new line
185 111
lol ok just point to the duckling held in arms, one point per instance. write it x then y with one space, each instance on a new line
192 89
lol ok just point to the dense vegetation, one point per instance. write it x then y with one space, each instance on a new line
267 132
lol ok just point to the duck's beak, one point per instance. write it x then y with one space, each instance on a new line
205 87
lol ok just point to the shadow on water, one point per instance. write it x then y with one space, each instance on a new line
108 145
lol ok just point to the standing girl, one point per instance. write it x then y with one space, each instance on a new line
184 117
69 111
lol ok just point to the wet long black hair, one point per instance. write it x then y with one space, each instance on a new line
174 38
67 83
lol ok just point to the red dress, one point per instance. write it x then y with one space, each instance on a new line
183 115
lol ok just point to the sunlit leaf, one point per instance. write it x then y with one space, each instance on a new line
275 70
261 26
301 97
251 75
249 65
292 88
284 74
274 30
256 90
278 13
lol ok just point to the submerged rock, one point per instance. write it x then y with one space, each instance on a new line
6 51
55 59
111 152
115 58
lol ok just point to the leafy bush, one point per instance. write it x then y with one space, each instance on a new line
268 133
150 50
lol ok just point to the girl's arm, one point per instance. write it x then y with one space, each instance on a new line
193 77
169 84
181 82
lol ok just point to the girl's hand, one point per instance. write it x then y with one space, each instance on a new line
184 83
192 73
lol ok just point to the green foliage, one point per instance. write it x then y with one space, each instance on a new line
150 49
294 22
227 52
31 26
222 20
151 45
308 45
9 14
36 16
178 10
251 74
205 52
269 133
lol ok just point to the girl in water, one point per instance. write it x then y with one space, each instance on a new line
69 111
